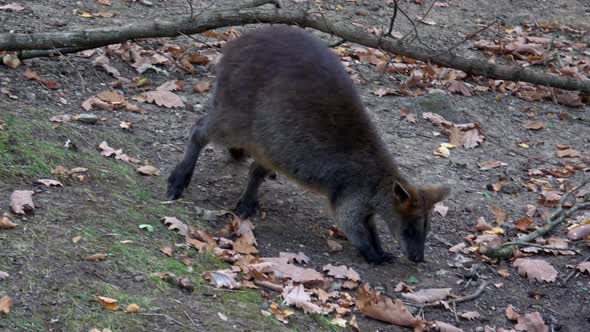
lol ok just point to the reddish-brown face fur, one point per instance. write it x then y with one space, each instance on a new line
413 206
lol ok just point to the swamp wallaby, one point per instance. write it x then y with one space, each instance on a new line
284 99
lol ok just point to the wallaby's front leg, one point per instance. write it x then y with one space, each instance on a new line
357 223
375 239
181 176
248 203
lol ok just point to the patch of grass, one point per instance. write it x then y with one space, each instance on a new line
14 320
21 155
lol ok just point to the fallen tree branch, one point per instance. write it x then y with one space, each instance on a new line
505 250
216 18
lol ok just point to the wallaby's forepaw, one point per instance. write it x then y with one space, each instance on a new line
246 208
384 257
176 185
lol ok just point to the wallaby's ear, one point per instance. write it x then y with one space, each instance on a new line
401 193
435 193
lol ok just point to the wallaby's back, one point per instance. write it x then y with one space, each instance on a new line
284 97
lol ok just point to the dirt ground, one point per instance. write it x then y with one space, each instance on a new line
53 287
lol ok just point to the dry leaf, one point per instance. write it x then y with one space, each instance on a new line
4 275
499 214
536 269
472 138
171 86
470 315
5 304
300 257
132 308
76 239
201 86
167 250
108 303
148 170
11 61
246 242
441 209
579 232
584 267
13 7
96 257
436 119
406 113
111 97
523 224
341 272
161 98
511 313
21 202
5 223
425 20
296 273
403 287
376 306
222 278
535 125
280 315
489 164
49 182
459 87
428 295
532 322
174 224
482 225
298 297
567 153
503 272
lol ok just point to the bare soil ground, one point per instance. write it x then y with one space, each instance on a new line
54 287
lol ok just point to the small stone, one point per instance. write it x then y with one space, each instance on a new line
88 118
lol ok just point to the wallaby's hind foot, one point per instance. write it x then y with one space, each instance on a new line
181 176
248 203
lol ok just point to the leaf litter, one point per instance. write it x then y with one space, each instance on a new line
304 288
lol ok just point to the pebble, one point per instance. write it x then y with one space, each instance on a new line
88 118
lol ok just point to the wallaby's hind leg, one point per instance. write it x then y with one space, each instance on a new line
357 224
248 203
181 176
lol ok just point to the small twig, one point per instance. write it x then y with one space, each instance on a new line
428 10
464 40
574 272
443 241
338 43
392 21
455 312
189 318
557 217
82 82
162 315
190 5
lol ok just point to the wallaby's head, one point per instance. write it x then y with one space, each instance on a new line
411 216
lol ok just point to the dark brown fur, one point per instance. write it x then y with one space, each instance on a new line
285 100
